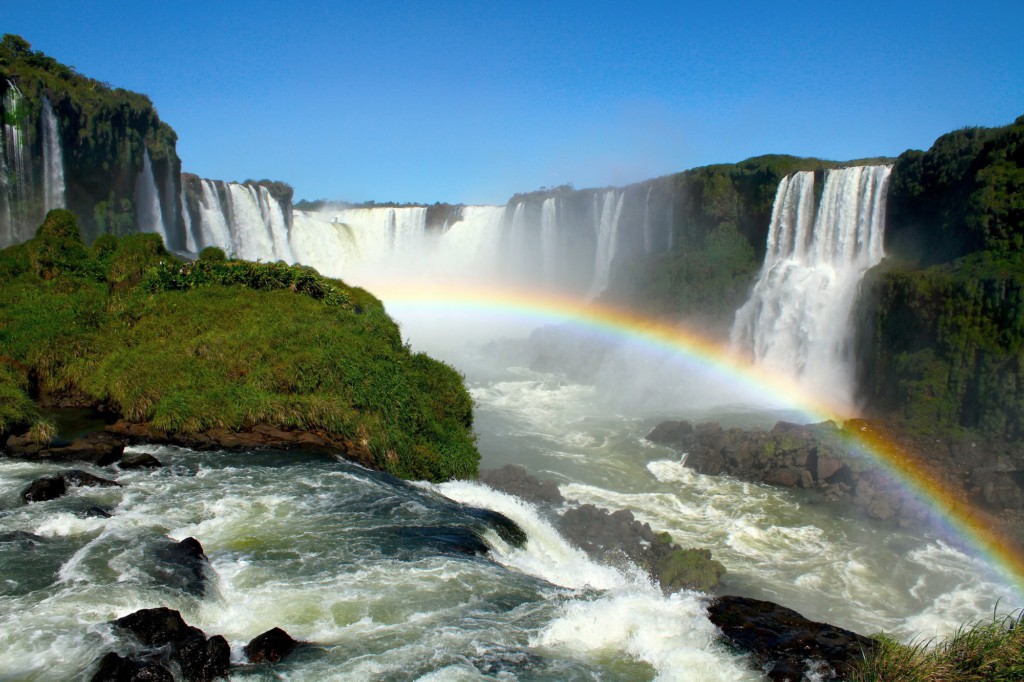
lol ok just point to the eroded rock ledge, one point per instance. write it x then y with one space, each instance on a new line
825 460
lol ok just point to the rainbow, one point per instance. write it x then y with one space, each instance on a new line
544 307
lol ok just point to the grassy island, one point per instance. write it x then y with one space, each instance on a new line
186 347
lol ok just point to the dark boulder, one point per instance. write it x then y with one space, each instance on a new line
270 647
139 460
77 477
97 448
158 627
166 634
784 642
183 565
441 540
515 480
202 660
114 668
45 488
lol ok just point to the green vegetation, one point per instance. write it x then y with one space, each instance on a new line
104 131
942 348
188 347
991 651
965 194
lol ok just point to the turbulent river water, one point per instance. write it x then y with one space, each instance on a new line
361 564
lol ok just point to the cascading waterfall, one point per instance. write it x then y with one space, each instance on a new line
797 319
549 236
53 159
607 229
245 220
148 213
19 185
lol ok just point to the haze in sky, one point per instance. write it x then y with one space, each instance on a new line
472 102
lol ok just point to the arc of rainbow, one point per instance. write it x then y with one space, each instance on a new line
543 306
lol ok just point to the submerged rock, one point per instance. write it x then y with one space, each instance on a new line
183 565
270 647
52 487
442 540
515 480
507 529
139 460
115 668
784 642
44 488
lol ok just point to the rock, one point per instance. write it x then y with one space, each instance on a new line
77 477
784 642
202 660
270 647
158 627
515 480
114 668
98 448
22 538
823 467
183 565
788 477
138 460
879 509
45 488
671 432
688 569
507 529
168 636
442 539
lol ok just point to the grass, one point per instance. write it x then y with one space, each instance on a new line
987 650
221 343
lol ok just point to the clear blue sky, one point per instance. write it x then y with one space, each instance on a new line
472 101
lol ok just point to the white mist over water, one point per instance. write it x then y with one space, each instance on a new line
797 319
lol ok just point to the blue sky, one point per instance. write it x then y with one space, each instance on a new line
472 102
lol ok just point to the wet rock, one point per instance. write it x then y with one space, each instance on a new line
114 668
786 643
515 480
97 511
166 634
22 538
442 540
97 448
270 647
138 460
52 487
612 537
158 627
507 529
202 660
77 477
688 569
45 488
183 565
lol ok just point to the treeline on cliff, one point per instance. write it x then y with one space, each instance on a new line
103 134
218 343
720 216
941 321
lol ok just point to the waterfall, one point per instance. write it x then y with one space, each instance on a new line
797 319
20 213
364 245
53 159
549 237
607 229
148 214
647 221
244 219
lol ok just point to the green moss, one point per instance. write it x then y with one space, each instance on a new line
224 343
689 569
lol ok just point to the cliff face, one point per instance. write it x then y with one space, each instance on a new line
98 163
941 322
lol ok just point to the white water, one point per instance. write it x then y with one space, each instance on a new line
18 185
53 159
148 214
797 319
607 238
